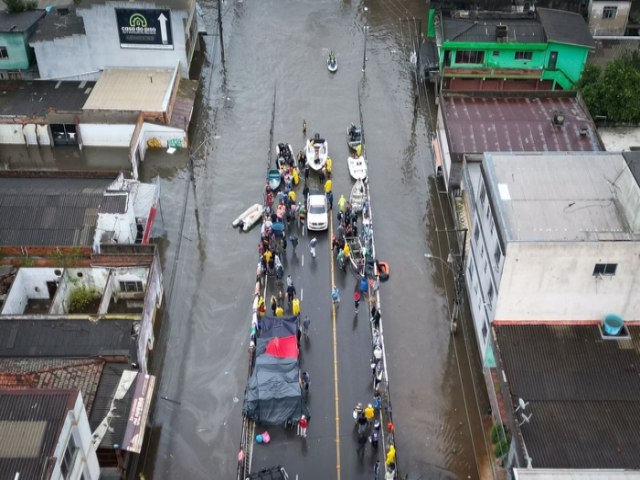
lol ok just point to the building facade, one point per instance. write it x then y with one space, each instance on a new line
16 56
78 43
608 18
553 238
546 49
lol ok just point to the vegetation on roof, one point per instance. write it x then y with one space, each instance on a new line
613 93
18 6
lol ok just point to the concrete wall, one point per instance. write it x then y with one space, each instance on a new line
76 277
608 26
609 49
29 283
85 462
103 135
152 301
66 58
555 282
19 55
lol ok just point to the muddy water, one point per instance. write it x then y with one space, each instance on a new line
275 52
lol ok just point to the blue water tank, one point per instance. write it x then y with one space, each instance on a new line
612 324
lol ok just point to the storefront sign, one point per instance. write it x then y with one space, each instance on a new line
141 28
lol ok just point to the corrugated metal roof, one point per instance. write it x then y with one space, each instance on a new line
54 211
478 124
559 196
29 426
58 25
104 397
67 338
582 391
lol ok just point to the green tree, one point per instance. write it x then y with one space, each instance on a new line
614 92
17 6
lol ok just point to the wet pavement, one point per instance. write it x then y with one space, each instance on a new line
277 49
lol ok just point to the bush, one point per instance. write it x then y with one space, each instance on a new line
498 433
83 299
501 449
17 6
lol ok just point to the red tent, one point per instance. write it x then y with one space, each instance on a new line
283 347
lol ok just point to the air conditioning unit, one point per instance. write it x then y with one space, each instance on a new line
501 32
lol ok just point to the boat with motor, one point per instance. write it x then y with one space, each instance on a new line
357 196
249 217
332 63
357 167
317 151
284 155
354 136
274 179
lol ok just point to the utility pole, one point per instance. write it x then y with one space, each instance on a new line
364 56
220 33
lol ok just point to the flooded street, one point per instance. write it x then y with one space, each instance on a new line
275 69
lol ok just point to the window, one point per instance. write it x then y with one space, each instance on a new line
491 225
496 53
524 55
488 212
67 460
484 330
609 12
496 255
483 194
605 269
470 56
470 274
490 294
3 52
131 286
476 232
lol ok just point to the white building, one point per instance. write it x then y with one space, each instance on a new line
45 434
608 17
77 44
554 238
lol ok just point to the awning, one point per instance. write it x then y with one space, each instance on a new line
139 413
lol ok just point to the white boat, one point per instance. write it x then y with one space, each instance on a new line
357 198
357 167
249 217
332 63
317 151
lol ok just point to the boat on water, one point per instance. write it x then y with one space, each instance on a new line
317 151
249 217
284 155
332 63
274 179
354 136
357 196
357 167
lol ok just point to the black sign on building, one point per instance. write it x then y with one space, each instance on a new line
142 28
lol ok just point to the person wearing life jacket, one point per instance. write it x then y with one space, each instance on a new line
342 204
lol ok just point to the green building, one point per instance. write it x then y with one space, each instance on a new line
16 56
541 50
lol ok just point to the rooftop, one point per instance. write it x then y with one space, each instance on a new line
561 196
478 123
562 26
140 90
54 210
19 22
37 98
30 422
582 392
68 338
548 26
59 23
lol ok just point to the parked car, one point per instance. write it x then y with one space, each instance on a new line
317 212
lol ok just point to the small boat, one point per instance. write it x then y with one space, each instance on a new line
317 151
383 270
354 136
284 155
332 63
357 167
274 179
249 217
357 196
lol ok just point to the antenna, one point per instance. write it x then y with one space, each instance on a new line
525 419
521 404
